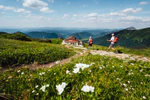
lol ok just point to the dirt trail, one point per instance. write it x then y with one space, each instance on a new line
120 56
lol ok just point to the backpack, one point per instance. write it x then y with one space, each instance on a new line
91 41
116 39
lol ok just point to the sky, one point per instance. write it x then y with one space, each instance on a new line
75 13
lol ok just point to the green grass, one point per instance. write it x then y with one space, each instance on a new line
13 52
112 79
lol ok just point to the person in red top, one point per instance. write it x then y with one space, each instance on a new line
90 41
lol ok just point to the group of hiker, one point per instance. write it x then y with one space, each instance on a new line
113 40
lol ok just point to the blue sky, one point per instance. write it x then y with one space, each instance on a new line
75 13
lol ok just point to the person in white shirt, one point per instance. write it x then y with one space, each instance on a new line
111 46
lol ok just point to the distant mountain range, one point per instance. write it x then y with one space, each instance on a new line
129 37
47 32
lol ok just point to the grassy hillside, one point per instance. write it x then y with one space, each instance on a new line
128 38
23 37
15 36
14 52
85 78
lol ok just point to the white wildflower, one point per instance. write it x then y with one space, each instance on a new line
147 75
41 73
54 73
130 73
37 93
18 71
92 63
63 84
57 62
100 67
76 70
60 87
113 67
144 97
36 86
44 87
114 70
141 70
124 85
33 91
22 73
78 66
87 88
129 82
82 66
67 71
126 89
118 79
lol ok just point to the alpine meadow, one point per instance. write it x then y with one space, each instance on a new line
74 50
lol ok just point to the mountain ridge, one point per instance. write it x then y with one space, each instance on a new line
128 38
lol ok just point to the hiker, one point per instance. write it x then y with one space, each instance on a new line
112 42
90 41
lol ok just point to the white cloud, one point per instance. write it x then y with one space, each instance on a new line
92 19
75 15
37 17
46 10
93 15
65 16
7 8
131 10
116 14
35 4
80 21
20 10
51 1
68 3
143 3
135 19
38 4
126 12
